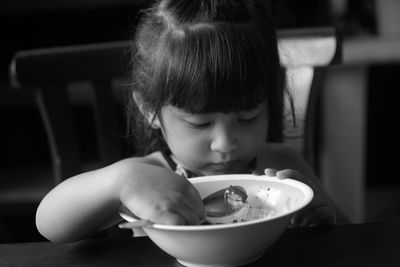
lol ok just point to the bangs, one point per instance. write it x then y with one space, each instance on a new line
221 68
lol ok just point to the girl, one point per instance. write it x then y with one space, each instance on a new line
205 77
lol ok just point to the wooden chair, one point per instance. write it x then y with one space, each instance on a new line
49 73
306 54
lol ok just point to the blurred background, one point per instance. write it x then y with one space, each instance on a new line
358 159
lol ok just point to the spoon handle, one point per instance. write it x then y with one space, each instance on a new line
134 224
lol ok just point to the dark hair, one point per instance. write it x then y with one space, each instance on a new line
203 56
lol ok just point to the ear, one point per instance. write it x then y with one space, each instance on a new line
151 118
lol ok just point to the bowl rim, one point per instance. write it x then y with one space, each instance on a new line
306 189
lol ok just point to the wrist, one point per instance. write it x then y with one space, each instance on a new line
128 174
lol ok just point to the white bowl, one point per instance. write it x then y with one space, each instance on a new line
233 244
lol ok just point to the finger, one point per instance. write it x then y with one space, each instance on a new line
316 220
191 218
175 210
312 217
270 172
256 172
169 218
194 216
188 195
299 217
295 220
196 203
188 205
289 173
191 215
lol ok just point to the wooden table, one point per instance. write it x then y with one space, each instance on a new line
375 244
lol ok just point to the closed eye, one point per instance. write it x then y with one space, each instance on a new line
198 125
248 119
250 116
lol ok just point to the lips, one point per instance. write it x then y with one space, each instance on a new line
223 166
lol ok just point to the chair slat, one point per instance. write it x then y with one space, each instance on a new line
69 64
107 122
54 106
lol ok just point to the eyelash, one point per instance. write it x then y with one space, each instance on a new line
248 120
200 125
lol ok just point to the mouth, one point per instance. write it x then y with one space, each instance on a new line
223 167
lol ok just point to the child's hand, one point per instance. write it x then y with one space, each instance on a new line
161 196
319 211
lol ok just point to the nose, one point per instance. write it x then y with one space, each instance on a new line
223 141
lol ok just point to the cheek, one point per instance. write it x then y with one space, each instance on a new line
184 143
255 136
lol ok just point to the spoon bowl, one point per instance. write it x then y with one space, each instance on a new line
224 205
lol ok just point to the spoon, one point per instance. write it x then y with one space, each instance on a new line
225 202
225 205
220 207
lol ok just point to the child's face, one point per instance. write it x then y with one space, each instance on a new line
215 143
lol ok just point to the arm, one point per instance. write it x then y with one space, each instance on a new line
87 203
285 162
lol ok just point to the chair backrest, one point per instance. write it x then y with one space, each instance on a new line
49 72
306 54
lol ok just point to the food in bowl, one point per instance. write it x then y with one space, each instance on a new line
233 244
